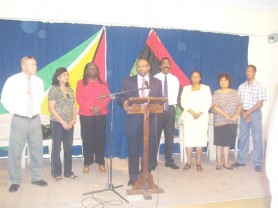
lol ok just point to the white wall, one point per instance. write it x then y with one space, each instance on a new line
150 13
272 58
166 14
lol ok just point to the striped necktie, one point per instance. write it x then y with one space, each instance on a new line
143 88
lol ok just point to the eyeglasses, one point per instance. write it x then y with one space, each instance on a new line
142 66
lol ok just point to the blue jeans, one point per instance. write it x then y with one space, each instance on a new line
60 135
23 130
256 131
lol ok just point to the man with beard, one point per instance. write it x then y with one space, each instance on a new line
166 122
140 85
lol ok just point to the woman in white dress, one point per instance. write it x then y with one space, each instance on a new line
196 101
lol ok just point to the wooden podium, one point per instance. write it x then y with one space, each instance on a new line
145 184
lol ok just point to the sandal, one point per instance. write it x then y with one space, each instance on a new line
102 168
58 179
186 167
218 167
199 168
86 169
72 176
228 167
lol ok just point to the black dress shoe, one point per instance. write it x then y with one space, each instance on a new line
258 169
172 165
40 183
238 165
14 188
154 166
131 182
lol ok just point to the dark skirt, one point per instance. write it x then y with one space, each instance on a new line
225 135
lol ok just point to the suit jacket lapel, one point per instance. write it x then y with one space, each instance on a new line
136 93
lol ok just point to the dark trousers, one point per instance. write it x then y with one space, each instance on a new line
134 150
166 122
60 135
93 133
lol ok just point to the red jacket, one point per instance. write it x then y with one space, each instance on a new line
88 96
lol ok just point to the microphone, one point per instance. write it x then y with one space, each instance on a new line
147 84
103 96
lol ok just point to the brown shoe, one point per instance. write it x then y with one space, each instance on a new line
101 168
86 169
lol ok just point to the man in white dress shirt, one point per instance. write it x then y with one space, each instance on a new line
166 121
22 96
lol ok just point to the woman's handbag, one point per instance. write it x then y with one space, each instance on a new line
46 131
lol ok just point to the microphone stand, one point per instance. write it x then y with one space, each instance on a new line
110 186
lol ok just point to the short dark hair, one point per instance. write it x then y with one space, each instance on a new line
225 75
58 72
164 58
197 71
252 66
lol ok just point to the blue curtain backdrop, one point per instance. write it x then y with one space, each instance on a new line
211 53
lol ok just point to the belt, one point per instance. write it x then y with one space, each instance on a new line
170 106
25 117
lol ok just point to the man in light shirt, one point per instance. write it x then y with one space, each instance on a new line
22 96
253 95
166 122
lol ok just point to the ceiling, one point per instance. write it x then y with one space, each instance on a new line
247 4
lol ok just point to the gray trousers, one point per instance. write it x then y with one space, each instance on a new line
22 130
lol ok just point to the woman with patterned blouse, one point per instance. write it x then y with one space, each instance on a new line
226 107
61 105
92 95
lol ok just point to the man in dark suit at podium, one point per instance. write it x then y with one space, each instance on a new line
150 87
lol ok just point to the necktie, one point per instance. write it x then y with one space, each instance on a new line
30 112
166 105
143 88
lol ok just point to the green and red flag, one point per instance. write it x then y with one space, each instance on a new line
92 49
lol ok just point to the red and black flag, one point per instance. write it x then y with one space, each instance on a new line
154 51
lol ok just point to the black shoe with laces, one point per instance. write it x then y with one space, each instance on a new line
238 165
172 165
131 182
40 183
258 169
14 188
